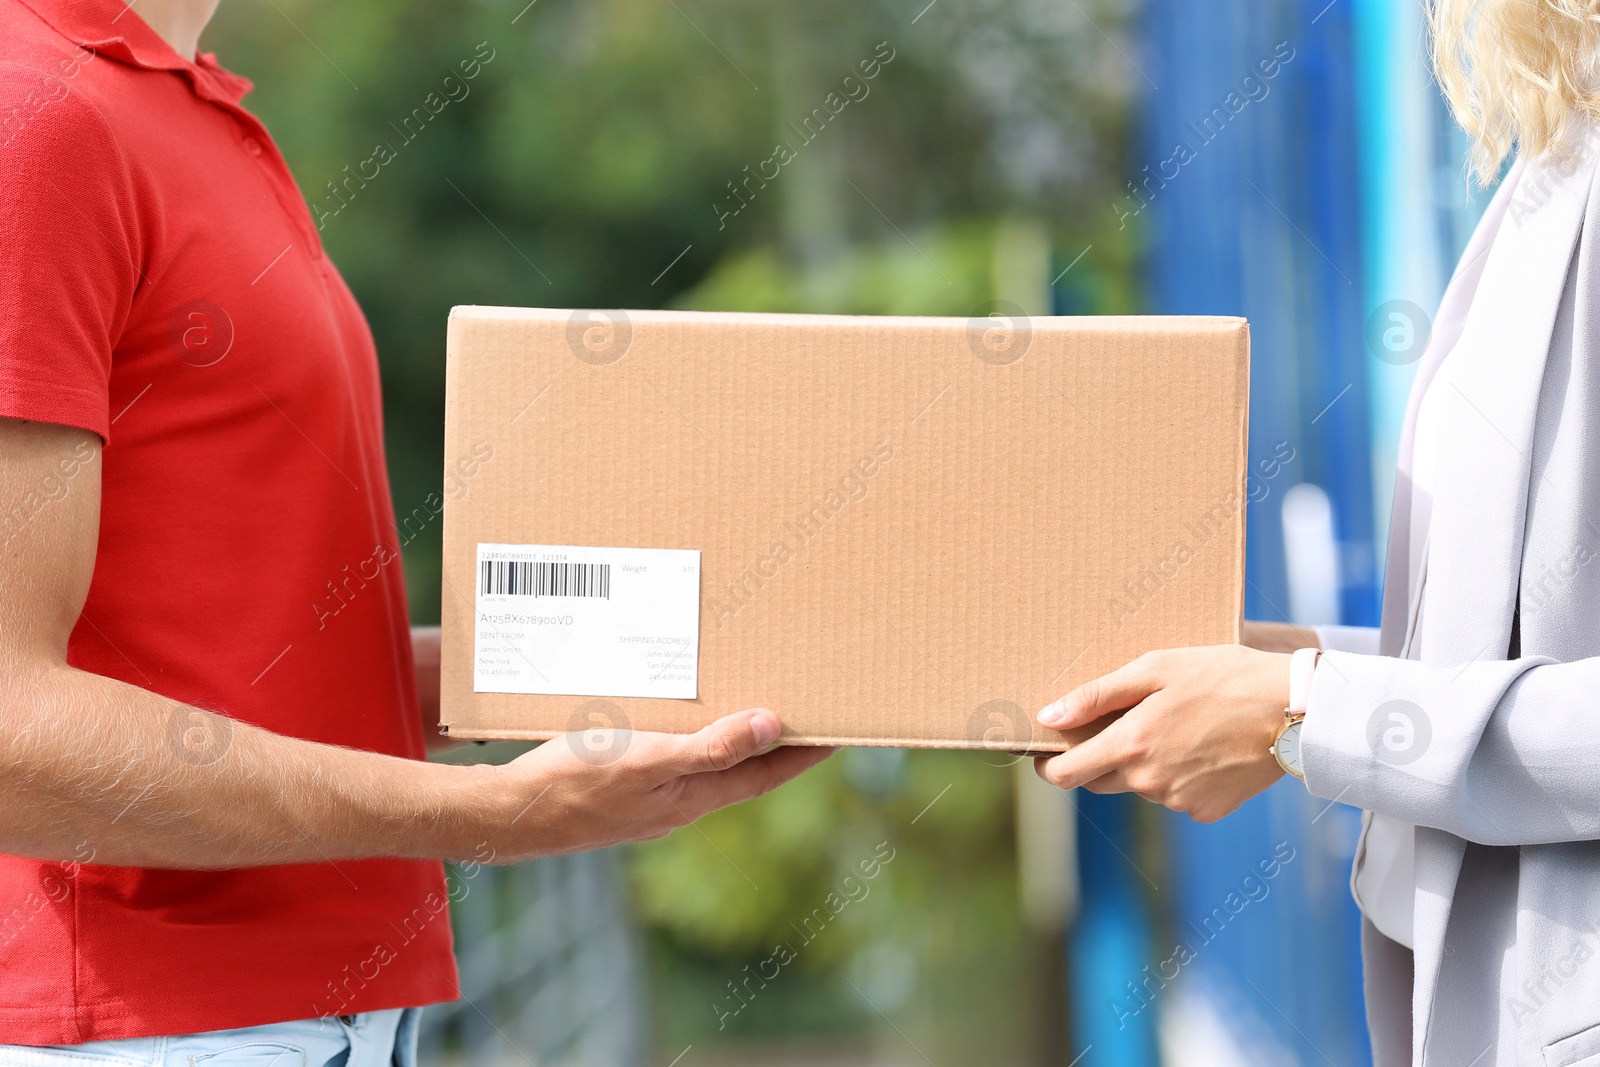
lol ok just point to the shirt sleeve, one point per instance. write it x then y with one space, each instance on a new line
69 251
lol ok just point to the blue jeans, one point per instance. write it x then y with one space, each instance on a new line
372 1039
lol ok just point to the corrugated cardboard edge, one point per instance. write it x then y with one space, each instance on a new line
1239 326
491 312
807 742
1242 338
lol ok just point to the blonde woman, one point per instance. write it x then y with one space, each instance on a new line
1468 728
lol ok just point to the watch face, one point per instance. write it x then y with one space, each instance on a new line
1287 749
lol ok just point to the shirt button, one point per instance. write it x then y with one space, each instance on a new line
252 146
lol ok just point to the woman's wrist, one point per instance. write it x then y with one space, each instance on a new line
1286 747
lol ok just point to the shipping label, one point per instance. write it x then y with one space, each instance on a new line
582 621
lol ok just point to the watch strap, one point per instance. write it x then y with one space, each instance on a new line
1302 671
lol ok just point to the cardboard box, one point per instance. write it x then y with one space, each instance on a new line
910 531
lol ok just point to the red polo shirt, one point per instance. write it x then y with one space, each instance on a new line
162 284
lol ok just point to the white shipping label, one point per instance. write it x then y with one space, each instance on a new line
575 621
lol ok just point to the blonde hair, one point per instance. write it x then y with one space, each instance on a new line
1517 73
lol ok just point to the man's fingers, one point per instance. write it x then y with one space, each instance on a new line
704 793
1117 691
726 743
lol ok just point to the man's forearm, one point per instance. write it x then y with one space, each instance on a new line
96 769
99 767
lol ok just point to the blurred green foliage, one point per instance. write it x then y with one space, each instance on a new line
596 158
934 939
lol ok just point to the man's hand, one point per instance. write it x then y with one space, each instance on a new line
600 787
93 766
1196 734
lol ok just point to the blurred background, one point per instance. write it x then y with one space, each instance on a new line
1287 161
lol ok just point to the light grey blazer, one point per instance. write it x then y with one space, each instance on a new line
1500 772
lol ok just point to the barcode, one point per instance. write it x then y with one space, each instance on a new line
525 578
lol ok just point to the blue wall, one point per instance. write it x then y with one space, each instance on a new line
1265 222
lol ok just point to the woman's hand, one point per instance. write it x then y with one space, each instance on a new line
1196 734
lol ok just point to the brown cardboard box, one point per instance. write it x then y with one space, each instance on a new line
911 531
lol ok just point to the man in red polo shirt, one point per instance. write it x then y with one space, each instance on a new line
220 836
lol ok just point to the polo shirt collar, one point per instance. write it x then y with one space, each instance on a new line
114 29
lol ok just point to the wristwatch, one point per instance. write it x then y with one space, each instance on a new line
1286 746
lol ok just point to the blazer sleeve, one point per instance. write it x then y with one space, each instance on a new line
1496 752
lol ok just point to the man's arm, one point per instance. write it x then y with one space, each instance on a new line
90 765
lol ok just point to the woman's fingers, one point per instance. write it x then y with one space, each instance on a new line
1117 691
1103 754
